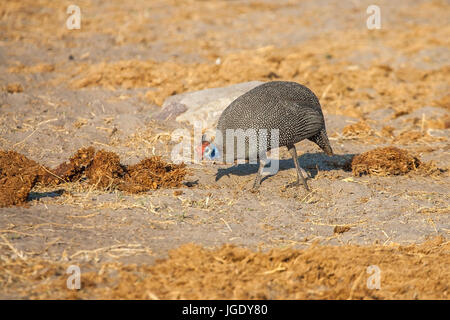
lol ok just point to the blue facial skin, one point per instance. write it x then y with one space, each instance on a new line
211 153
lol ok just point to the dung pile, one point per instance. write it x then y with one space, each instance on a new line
18 174
73 169
152 173
102 169
193 272
105 170
389 161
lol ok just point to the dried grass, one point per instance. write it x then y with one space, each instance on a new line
38 68
169 78
444 102
413 136
14 88
342 86
193 272
357 130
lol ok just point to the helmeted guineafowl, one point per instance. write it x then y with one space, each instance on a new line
290 107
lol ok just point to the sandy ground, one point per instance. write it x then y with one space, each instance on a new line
101 86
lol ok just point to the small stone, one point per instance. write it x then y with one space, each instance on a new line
341 229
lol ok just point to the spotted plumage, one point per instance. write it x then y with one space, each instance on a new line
289 107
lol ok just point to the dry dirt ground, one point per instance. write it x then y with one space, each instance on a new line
101 86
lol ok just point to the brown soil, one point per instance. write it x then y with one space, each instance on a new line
193 272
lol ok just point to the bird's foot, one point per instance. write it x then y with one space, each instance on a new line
292 184
255 188
256 184
297 184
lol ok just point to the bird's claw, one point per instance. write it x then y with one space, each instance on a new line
255 188
297 184
292 184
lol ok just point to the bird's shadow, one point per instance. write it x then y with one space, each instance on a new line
40 195
310 162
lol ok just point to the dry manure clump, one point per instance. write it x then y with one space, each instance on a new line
18 175
103 169
152 173
230 272
390 161
73 169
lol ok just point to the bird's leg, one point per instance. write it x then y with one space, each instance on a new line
293 152
257 183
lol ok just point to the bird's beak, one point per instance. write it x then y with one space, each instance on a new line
325 143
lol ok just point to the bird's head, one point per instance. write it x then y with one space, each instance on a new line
208 150
321 139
